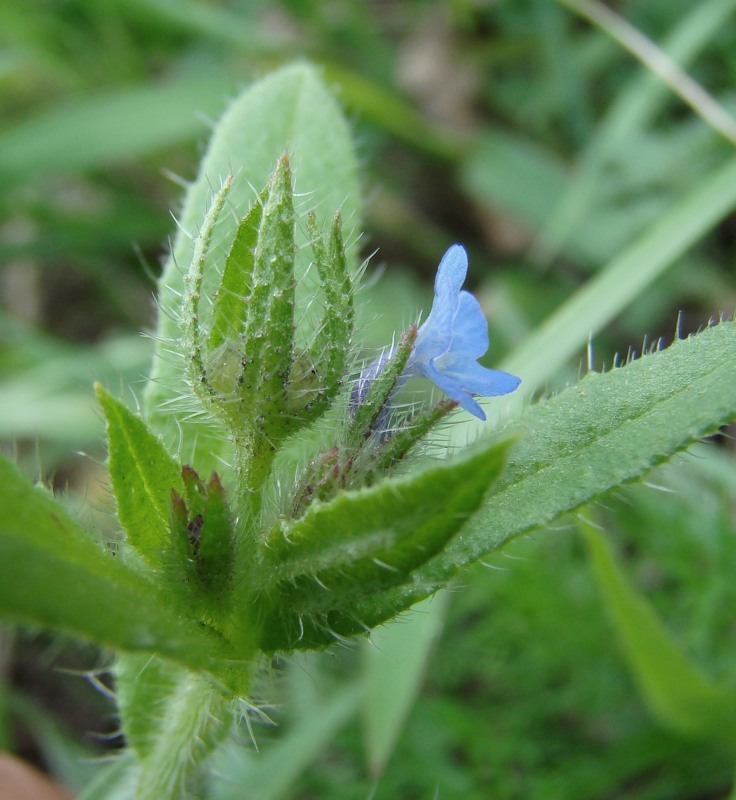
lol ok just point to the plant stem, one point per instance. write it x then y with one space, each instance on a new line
195 718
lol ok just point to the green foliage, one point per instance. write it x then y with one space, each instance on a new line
288 112
674 689
323 567
608 429
550 154
96 130
54 575
45 390
611 428
142 475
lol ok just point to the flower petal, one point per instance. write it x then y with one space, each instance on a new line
469 328
435 335
475 378
453 388
451 272
432 339
448 344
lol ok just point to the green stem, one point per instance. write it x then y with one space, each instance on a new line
195 718
253 460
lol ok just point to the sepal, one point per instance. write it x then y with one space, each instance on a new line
341 468
370 399
239 343
203 538
242 363
327 356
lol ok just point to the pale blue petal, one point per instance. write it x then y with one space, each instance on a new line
454 389
480 380
435 335
470 329
451 272
431 339
449 343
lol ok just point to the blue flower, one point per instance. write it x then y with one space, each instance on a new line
453 338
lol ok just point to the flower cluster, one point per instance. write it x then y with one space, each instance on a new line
449 343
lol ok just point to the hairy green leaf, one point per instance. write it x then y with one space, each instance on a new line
54 575
365 541
143 686
608 429
143 475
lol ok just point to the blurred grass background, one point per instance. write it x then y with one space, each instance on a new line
513 126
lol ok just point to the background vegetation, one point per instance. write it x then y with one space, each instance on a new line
516 127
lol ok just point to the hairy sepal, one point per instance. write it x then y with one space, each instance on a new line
290 111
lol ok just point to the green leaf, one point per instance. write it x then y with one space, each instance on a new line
143 476
52 574
289 111
673 688
610 428
107 128
143 685
361 542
